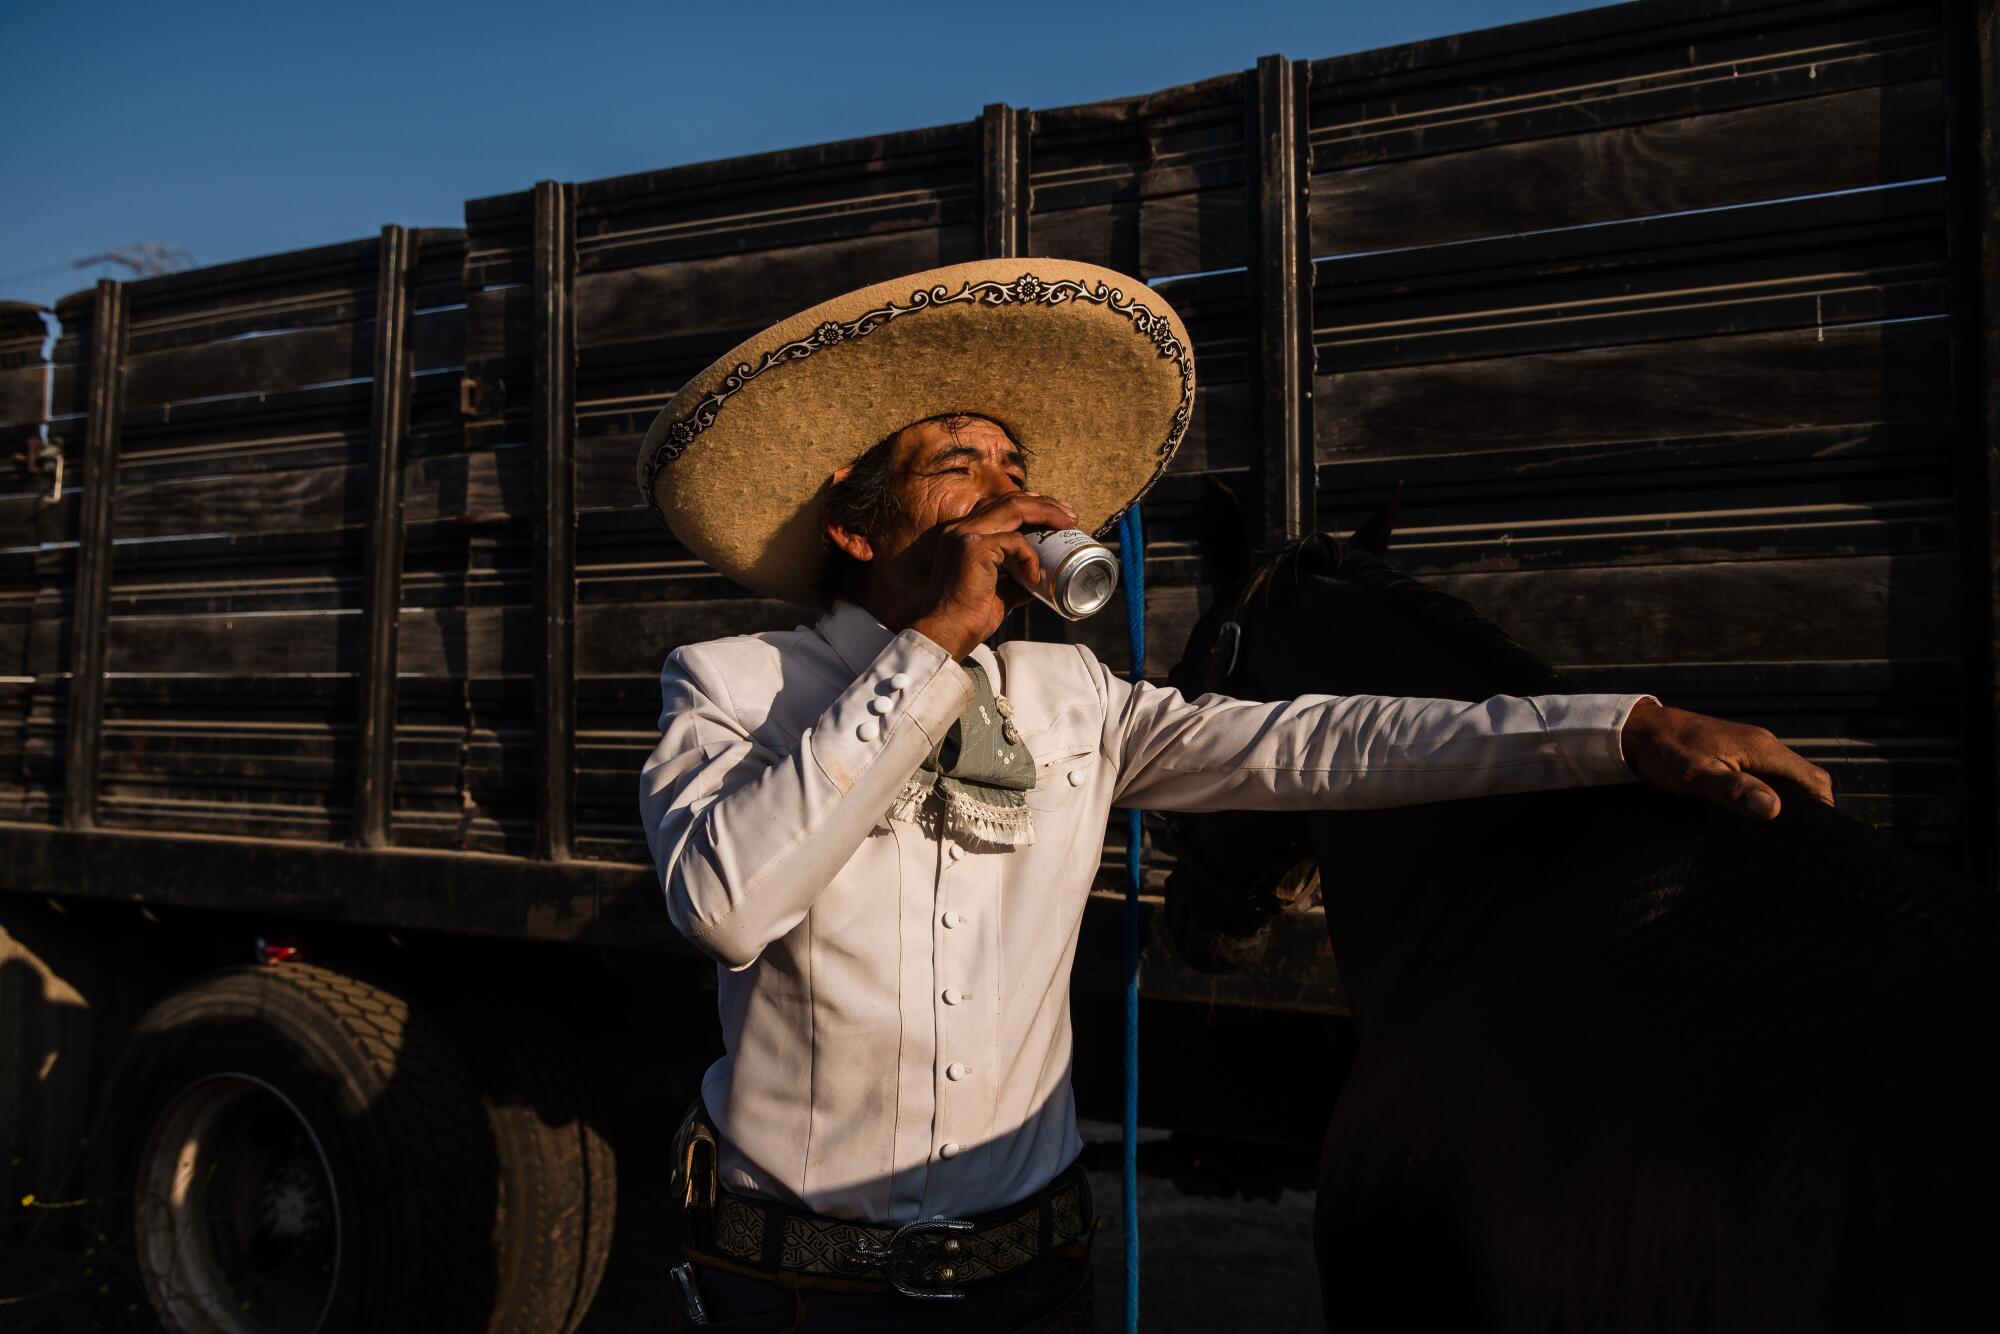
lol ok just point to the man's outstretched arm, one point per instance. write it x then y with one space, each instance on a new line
1363 751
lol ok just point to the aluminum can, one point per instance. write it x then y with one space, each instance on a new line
1079 573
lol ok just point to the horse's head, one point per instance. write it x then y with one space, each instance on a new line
1321 616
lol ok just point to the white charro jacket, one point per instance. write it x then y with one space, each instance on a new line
895 1007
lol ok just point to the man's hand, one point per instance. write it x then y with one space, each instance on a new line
964 602
1698 756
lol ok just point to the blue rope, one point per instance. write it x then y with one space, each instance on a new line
1132 573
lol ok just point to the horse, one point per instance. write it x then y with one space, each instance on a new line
1625 1061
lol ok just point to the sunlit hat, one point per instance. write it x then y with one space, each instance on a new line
1088 369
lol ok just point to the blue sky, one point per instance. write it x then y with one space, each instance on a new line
232 130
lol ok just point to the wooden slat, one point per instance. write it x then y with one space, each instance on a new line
911 181
732 296
1805 263
1530 475
1845 141
555 521
321 354
1281 295
1973 148
24 374
375 768
85 718
1596 69
1003 196
633 638
485 487
1182 233
1684 524
1871 607
1753 382
23 327
453 642
267 292
1986 28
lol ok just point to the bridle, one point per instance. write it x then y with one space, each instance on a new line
1296 880
1220 669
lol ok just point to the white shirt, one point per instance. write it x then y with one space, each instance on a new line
895 1007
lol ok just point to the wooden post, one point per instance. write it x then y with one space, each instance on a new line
1003 212
93 557
1972 133
555 519
382 560
1003 234
1280 301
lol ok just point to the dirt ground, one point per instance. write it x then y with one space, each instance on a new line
1206 1263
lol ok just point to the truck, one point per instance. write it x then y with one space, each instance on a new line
336 985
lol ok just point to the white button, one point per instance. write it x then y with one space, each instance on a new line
1076 778
953 851
900 681
880 704
868 731
953 919
949 1150
956 1071
954 997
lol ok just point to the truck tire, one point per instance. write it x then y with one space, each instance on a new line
290 1150
558 1176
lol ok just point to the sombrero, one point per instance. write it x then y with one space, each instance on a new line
1088 369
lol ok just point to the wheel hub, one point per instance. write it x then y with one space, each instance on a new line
238 1222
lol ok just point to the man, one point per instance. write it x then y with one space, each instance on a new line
884 830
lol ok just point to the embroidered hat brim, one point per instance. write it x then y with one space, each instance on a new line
1089 369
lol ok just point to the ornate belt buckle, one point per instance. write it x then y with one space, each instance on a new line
920 1258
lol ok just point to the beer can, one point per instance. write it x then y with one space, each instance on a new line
1079 573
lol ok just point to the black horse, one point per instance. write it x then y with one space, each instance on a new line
1625 1061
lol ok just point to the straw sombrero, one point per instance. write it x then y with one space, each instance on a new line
1088 369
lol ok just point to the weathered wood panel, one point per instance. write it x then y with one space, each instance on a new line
1847 141
243 496
1709 386
735 295
24 375
1593 309
28 470
1608 67
1602 408
1801 264
1152 186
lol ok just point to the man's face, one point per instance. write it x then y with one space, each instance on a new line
944 471
939 471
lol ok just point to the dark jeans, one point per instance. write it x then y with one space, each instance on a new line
738 1304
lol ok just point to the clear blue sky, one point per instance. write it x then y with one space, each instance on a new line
235 129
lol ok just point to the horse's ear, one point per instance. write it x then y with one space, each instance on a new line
1223 538
1374 534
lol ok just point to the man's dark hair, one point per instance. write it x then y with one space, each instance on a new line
865 502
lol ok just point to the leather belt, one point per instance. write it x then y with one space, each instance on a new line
933 1258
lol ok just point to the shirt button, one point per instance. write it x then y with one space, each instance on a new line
880 704
868 731
900 681
956 1071
952 997
953 919
1076 778
949 1150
